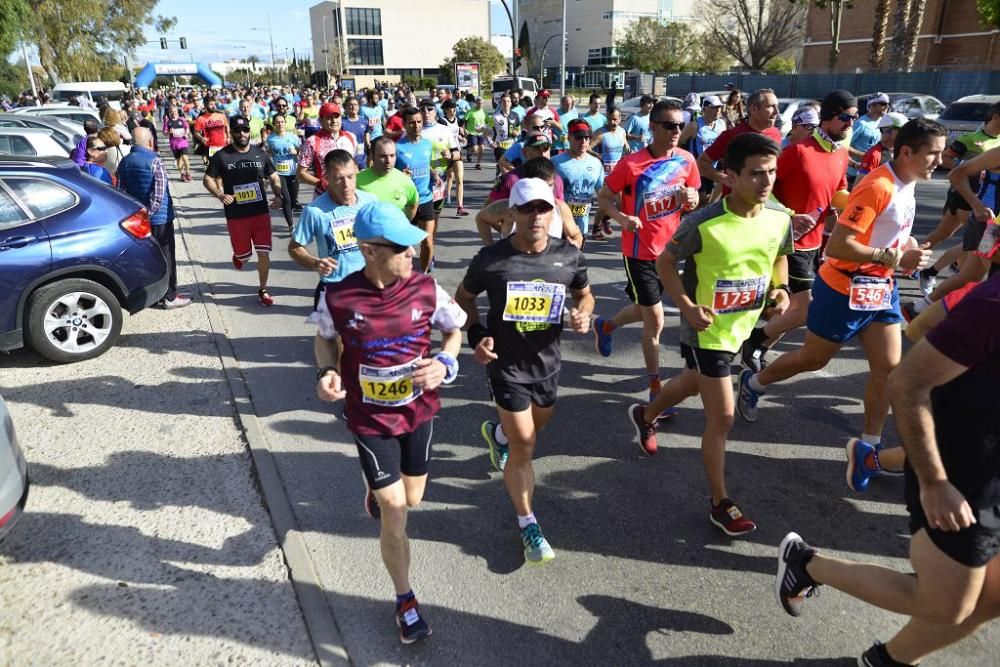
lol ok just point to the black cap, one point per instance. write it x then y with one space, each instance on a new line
239 123
835 102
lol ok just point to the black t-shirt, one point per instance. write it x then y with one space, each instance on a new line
965 423
527 294
245 176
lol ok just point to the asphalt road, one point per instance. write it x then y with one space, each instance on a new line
640 575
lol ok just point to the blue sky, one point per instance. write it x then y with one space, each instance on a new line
205 25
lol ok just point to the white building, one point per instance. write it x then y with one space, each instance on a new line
392 37
591 26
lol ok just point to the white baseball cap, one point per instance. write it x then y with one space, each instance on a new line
893 119
878 98
531 189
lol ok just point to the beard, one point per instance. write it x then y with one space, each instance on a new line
241 141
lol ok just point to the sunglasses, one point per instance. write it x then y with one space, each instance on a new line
580 135
668 125
807 126
395 247
847 118
99 148
241 130
534 207
542 146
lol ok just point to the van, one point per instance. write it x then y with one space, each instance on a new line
113 91
503 84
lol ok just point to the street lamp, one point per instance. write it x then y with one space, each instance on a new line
270 38
541 64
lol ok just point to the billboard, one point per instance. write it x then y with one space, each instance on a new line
467 78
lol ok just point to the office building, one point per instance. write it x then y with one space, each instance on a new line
392 37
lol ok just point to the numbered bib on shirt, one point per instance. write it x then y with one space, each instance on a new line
438 191
660 202
283 167
734 296
534 302
212 150
869 293
178 132
391 386
247 193
579 209
343 233
506 143
609 167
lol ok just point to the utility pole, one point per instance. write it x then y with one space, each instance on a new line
31 75
326 52
562 52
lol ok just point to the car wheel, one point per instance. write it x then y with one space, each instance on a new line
72 320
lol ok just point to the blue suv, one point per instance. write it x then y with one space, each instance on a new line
74 254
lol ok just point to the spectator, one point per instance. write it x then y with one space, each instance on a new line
116 149
735 112
113 118
97 155
91 126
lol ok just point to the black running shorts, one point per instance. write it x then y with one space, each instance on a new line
710 363
425 213
385 458
802 270
955 202
642 283
518 397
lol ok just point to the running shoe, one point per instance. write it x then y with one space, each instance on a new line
237 262
909 311
752 357
727 517
498 452
179 301
606 227
297 207
746 398
264 297
602 341
793 584
536 547
461 212
371 503
927 283
645 433
412 625
858 472
596 234
877 656
666 414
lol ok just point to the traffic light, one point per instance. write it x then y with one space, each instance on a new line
184 42
163 43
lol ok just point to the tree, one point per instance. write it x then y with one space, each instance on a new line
989 12
14 17
650 46
707 58
76 39
914 19
476 50
524 43
837 8
876 58
754 32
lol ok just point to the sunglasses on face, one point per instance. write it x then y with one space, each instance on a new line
847 118
99 148
580 135
241 130
668 125
534 207
395 247
807 126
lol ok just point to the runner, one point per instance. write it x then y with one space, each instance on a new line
318 144
506 129
700 133
655 184
610 144
387 183
282 147
374 114
582 174
763 106
856 294
177 129
376 357
475 126
211 130
594 117
413 156
513 157
236 176
889 125
567 112
526 277
535 145
866 133
637 126
804 121
446 151
549 116
456 168
736 263
952 492
812 178
357 125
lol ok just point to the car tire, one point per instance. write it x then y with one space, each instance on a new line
72 320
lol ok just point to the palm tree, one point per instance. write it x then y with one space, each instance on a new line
913 21
899 20
877 56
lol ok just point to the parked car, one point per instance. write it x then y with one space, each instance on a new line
62 134
504 84
911 105
29 142
74 254
631 105
966 114
13 474
787 106
76 114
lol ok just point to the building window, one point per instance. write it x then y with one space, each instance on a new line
365 51
364 21
374 71
606 15
602 56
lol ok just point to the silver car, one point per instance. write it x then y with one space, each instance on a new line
63 132
911 105
13 474
30 141
966 114
75 114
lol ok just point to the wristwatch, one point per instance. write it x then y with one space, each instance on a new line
450 366
323 371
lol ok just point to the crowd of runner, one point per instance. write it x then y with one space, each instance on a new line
751 237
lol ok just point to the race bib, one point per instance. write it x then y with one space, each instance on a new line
373 123
343 233
178 132
506 143
660 202
212 150
419 172
579 209
284 167
247 193
438 191
360 149
534 302
390 386
609 167
734 296
989 243
869 293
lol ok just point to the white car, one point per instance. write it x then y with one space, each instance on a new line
13 474
30 141
66 133
75 114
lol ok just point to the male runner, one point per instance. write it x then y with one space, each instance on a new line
594 117
582 173
387 183
655 185
763 111
736 251
357 125
456 168
446 151
637 126
609 143
700 133
534 145
855 293
211 130
866 132
526 277
812 177
889 125
475 128
567 112
374 350
413 156
513 156
506 128
314 149
374 114
952 494
549 116
236 176
804 121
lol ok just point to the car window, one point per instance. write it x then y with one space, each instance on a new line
10 213
43 198
21 146
931 105
967 111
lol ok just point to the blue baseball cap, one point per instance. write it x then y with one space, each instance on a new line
382 220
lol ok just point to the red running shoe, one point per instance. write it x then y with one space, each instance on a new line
264 297
645 433
728 518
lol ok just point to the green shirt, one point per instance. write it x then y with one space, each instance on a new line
394 188
728 269
972 144
475 118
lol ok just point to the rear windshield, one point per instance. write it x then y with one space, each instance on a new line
968 111
503 85
67 95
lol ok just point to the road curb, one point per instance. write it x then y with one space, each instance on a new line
324 632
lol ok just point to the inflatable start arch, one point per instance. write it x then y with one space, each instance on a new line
153 70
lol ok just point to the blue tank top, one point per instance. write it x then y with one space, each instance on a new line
706 135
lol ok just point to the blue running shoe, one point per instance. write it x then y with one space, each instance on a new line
858 472
498 452
746 398
602 341
536 547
